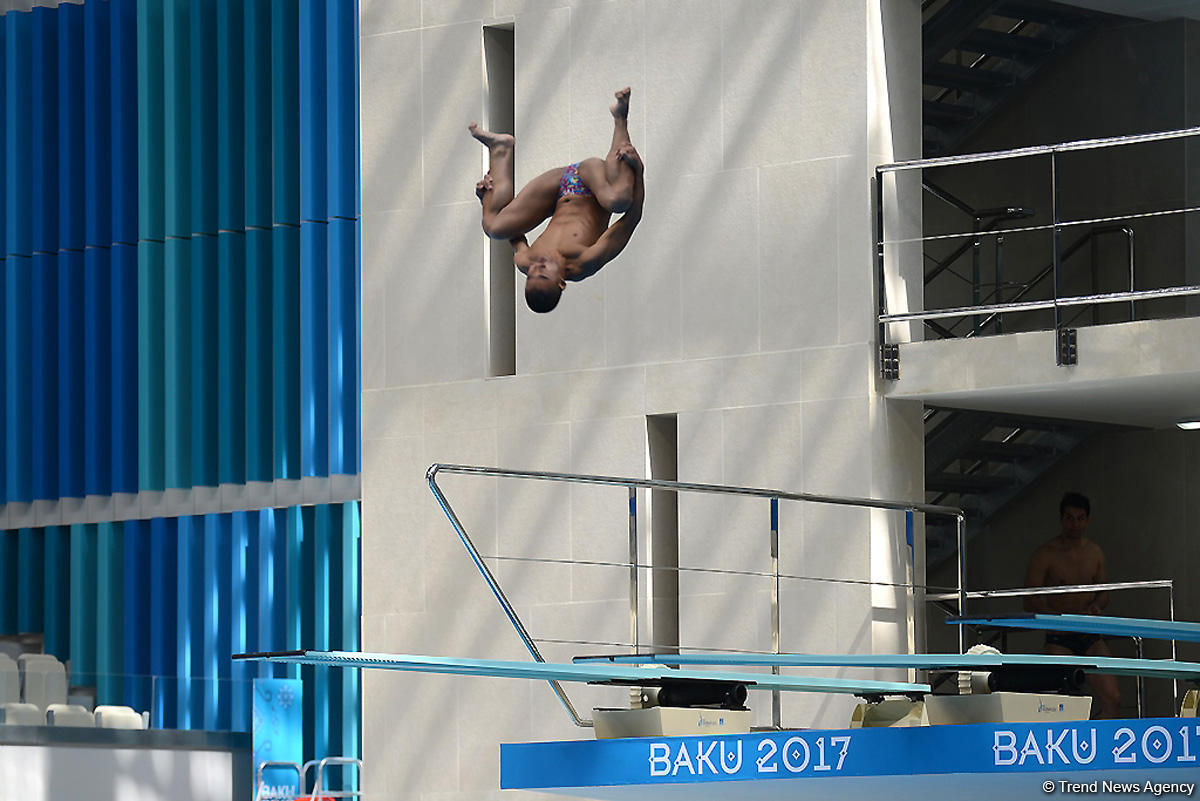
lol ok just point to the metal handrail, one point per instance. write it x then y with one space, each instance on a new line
1035 305
1038 150
634 484
1056 225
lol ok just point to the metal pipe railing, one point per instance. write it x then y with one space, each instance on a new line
634 484
1056 226
1039 150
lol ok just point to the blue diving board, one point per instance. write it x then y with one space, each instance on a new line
592 674
1118 666
1147 628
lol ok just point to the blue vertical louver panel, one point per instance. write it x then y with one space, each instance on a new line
232 400
190 625
177 352
242 589
323 537
268 572
18 377
258 91
214 631
56 586
150 86
72 230
343 347
314 349
3 171
4 348
164 558
285 314
314 111
99 156
72 368
44 375
350 607
43 153
177 118
128 100
231 115
72 184
342 119
203 76
260 437
295 583
137 569
84 578
18 144
205 299
285 112
31 553
99 358
151 333
125 376
108 613
9 581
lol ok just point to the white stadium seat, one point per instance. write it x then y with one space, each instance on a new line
69 715
22 715
118 717
43 680
10 680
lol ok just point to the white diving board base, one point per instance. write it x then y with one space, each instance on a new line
978 761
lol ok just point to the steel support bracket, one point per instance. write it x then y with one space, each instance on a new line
1067 346
889 362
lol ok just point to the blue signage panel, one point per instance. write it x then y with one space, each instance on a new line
1144 746
278 736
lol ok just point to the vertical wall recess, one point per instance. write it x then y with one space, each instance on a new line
500 115
662 449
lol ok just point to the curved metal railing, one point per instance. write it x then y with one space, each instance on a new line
633 485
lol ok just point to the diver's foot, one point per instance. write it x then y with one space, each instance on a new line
493 141
620 107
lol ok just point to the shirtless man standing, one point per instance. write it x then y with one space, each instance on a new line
1071 558
579 199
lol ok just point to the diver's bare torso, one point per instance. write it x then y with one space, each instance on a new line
576 225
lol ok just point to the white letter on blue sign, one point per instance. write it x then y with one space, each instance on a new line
1052 746
1031 747
682 759
660 762
789 752
702 757
1089 750
1009 748
727 760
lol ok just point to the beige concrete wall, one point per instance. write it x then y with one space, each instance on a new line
744 305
